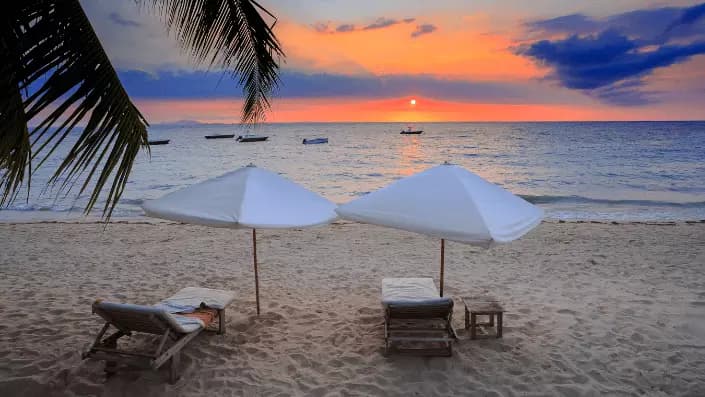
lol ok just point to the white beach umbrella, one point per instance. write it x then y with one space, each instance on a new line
448 202
249 197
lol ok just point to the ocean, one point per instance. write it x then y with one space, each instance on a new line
616 171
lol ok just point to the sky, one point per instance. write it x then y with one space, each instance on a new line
481 60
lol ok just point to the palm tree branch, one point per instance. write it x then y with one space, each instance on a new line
68 79
229 35
55 71
15 149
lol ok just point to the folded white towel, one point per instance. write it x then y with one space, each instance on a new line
190 298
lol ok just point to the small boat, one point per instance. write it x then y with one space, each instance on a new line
409 131
251 138
159 142
314 141
220 136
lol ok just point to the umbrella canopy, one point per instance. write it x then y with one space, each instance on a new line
249 197
448 202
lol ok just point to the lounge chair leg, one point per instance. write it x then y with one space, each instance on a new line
499 325
221 321
174 368
111 342
473 325
110 369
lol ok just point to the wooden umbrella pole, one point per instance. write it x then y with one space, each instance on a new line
443 261
254 255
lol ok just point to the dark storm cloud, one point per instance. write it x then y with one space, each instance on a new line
609 58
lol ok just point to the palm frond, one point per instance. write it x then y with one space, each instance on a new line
58 63
15 152
231 35
55 70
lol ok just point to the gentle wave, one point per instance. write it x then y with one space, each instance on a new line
548 199
136 202
41 208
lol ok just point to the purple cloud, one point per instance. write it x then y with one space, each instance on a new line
423 29
650 26
346 27
689 16
381 23
321 27
323 85
609 58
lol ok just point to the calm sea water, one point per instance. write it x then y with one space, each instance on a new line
598 171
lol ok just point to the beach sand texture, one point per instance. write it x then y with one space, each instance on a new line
592 309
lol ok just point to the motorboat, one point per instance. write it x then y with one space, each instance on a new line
251 138
220 136
315 141
159 142
409 131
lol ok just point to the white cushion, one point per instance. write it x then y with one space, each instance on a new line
410 291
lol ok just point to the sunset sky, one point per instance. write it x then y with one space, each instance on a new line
461 60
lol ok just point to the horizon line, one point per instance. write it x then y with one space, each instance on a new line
186 122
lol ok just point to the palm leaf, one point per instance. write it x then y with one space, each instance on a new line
61 67
15 150
55 70
230 35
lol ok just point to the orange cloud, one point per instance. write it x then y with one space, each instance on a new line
459 48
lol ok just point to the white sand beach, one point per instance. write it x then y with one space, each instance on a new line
592 309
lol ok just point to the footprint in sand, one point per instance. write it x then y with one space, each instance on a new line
368 311
675 358
637 337
301 360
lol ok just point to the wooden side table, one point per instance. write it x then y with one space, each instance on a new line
482 306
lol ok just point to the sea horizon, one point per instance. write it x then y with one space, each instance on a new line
187 122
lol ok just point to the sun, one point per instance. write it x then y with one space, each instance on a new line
412 102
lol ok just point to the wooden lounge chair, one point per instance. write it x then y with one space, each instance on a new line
416 317
177 320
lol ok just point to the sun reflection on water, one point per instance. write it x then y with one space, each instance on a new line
411 155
